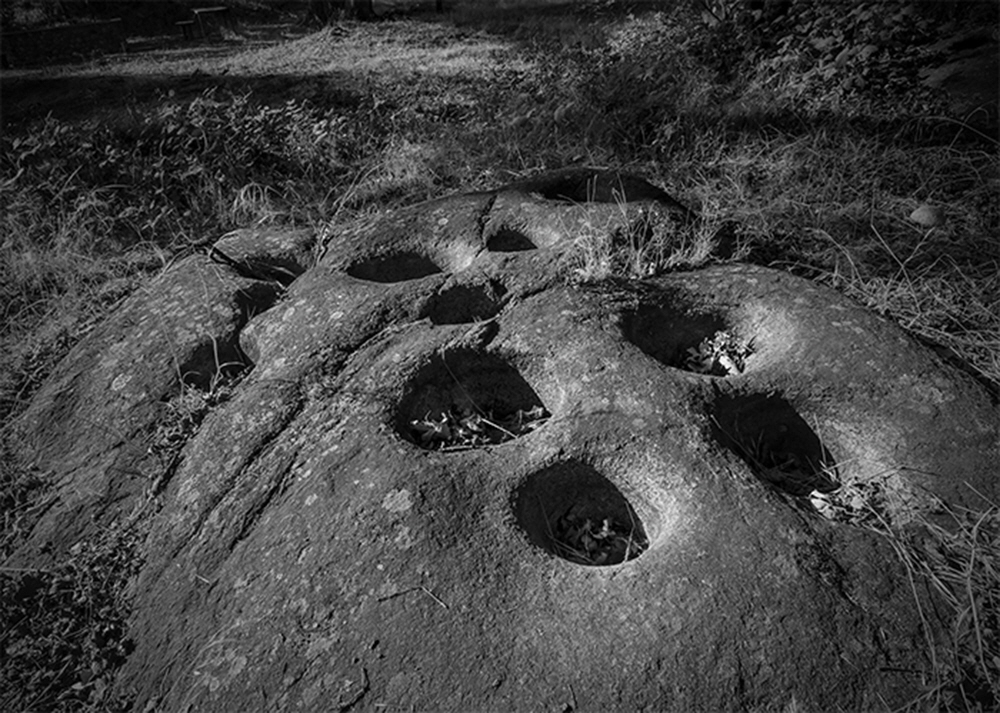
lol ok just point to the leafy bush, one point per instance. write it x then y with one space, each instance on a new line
642 81
859 58
64 627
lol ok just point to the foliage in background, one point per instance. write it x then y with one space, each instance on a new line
159 179
139 17
862 59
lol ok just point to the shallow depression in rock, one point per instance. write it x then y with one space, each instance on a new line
507 240
775 441
573 512
394 267
465 399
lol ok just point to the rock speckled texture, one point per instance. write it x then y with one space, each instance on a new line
316 549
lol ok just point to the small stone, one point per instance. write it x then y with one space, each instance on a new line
928 216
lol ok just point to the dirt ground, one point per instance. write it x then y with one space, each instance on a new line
152 68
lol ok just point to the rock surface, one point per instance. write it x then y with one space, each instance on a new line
455 479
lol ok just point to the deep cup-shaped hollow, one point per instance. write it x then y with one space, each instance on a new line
777 444
466 399
462 304
507 240
573 512
394 267
682 337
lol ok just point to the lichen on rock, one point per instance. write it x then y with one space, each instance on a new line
628 528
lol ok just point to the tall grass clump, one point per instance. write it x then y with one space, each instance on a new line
86 207
958 557
160 175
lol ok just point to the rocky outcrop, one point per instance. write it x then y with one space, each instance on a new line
452 478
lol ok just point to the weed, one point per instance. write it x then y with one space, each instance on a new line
639 243
64 627
956 551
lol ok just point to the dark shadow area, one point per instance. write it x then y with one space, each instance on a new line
212 361
573 512
781 449
465 399
223 358
111 98
462 304
258 298
593 185
394 267
279 269
668 332
506 240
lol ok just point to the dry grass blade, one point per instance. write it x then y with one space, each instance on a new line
961 562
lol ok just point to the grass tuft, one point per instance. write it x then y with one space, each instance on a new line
961 560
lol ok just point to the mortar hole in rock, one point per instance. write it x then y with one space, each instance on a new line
466 399
212 363
777 444
683 337
573 512
463 304
394 267
506 240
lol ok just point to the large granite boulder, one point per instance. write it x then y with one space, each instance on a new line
452 477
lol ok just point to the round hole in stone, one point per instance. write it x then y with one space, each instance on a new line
394 267
218 361
775 442
461 304
467 399
572 511
680 336
506 240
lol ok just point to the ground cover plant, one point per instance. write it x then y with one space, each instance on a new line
806 134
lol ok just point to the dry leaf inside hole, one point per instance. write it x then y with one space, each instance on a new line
459 428
722 354
596 540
